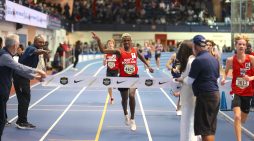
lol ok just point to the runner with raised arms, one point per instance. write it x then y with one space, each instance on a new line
128 68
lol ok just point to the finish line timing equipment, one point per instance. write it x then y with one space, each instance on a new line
116 82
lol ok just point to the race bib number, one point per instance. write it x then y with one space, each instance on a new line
241 83
111 65
129 69
145 53
158 52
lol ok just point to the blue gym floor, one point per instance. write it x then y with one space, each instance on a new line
80 113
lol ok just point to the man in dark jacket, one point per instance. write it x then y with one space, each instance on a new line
7 67
32 57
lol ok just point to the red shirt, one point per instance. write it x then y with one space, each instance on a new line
112 61
252 53
239 85
128 63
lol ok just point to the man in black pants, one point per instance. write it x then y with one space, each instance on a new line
77 52
7 67
22 85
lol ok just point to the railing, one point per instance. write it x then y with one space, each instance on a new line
188 27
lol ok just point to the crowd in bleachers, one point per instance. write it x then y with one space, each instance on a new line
142 12
47 7
132 11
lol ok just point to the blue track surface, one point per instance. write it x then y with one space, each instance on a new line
75 114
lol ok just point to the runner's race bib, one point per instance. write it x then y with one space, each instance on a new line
241 83
111 65
129 69
158 51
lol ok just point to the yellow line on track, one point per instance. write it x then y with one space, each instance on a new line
102 119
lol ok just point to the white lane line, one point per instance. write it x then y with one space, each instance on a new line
69 106
40 83
15 93
144 117
249 133
46 94
38 101
95 110
61 116
227 117
165 93
82 70
143 113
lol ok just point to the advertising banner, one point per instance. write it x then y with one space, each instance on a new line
53 23
21 14
2 9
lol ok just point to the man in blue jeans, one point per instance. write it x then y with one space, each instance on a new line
203 77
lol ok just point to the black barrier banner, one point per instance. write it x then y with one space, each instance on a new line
2 9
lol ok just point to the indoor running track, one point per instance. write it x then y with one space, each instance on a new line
84 114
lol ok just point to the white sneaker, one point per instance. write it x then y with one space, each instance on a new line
133 125
127 120
75 69
178 112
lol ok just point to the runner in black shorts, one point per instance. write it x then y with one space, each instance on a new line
147 54
111 61
128 55
243 102
158 50
242 82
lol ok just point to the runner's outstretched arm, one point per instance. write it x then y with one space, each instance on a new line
102 49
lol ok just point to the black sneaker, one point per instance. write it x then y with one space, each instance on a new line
7 123
25 125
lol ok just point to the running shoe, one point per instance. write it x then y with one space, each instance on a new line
127 120
7 123
25 125
133 125
178 112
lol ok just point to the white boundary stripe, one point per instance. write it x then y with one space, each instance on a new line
246 131
69 106
86 67
93 110
61 116
165 93
38 101
39 82
31 87
249 133
44 95
143 113
144 117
